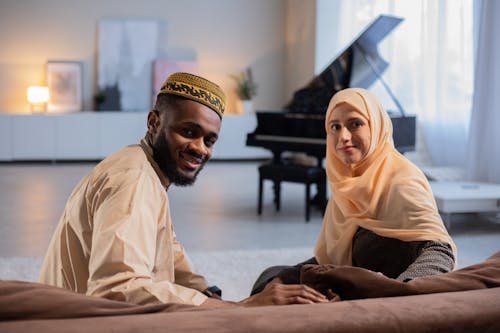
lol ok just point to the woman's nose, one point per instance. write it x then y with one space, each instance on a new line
345 134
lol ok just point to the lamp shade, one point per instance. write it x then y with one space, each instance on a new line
38 94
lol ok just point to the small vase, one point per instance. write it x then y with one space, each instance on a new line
247 106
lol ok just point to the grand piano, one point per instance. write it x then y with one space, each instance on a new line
299 127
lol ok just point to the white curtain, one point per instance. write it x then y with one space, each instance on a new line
431 66
483 153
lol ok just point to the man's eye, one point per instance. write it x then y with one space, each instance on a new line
210 142
188 133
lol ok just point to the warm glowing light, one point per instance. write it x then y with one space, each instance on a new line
38 96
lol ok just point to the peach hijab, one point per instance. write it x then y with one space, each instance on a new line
384 192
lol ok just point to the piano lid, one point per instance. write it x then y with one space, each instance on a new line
358 65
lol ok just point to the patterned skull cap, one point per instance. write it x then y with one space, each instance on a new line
197 89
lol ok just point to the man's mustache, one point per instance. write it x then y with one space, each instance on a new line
200 157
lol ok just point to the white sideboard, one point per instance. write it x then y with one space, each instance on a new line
94 135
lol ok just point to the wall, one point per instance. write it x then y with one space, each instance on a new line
300 45
224 35
327 34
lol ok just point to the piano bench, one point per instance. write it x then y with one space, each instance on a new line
307 175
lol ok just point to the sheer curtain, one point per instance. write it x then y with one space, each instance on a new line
431 67
483 153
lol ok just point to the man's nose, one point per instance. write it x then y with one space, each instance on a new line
198 145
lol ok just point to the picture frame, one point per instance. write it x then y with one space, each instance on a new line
64 79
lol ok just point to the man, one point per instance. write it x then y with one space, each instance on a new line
115 238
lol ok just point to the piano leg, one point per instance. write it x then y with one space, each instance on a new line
277 194
308 193
259 206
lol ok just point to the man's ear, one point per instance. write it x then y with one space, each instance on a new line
153 121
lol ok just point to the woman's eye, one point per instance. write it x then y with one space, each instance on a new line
335 127
356 124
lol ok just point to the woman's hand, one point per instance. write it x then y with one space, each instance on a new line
277 293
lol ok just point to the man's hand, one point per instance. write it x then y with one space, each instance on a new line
276 293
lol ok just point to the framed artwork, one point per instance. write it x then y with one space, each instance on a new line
127 48
64 79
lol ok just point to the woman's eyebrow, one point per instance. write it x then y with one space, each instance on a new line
355 118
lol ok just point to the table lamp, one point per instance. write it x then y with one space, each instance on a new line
38 96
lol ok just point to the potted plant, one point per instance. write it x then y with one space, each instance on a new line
246 88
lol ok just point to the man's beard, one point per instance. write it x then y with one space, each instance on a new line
167 163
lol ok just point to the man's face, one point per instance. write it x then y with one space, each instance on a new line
183 138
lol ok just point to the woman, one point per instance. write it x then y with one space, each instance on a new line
381 214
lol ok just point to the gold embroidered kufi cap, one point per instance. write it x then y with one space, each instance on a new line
197 89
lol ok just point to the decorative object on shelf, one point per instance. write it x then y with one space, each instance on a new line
126 51
108 99
38 96
64 79
246 89
247 106
99 100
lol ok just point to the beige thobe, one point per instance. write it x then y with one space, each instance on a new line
115 238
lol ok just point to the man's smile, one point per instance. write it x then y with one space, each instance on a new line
190 161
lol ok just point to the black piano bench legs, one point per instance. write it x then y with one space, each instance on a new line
307 175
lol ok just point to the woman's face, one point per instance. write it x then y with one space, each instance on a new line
349 134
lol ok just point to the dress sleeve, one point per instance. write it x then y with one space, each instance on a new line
184 273
434 258
127 215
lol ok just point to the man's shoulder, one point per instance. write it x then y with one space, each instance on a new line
128 160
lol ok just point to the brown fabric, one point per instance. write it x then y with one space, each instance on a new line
357 283
33 307
469 311
26 300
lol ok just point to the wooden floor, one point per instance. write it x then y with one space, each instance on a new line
218 213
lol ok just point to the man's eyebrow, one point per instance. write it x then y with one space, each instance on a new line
199 127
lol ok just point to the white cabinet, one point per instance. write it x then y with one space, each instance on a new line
78 136
5 138
94 135
33 137
232 139
120 129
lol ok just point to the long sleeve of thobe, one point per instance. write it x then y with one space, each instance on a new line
184 274
135 256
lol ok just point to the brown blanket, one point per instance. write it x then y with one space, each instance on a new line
458 312
357 283
33 307
27 300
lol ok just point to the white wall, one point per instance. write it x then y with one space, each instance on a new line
327 34
225 36
300 45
